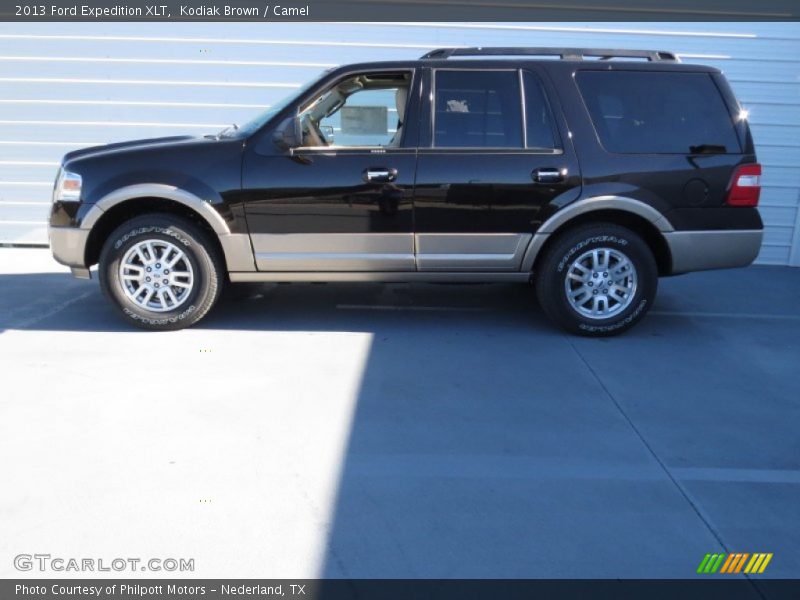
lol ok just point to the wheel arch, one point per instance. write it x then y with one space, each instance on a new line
115 208
101 222
625 212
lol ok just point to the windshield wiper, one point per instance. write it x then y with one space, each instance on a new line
233 127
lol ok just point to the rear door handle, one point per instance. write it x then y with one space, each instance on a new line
548 175
379 174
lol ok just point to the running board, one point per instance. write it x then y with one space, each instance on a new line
385 277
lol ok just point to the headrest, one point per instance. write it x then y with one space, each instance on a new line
401 98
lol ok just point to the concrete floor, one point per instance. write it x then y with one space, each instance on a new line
401 431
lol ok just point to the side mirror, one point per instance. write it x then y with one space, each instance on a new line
289 134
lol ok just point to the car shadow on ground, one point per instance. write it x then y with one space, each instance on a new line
58 302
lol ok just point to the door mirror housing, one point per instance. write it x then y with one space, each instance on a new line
289 134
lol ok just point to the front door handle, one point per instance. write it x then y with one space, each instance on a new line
548 175
379 175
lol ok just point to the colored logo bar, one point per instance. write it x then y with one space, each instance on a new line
736 562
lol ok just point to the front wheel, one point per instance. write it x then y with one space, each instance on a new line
161 272
597 280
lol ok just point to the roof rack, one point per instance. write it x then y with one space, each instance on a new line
563 53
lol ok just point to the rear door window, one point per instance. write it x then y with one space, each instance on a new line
477 109
658 112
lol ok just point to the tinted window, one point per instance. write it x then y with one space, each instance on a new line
539 118
640 112
477 109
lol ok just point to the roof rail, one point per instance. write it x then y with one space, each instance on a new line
563 53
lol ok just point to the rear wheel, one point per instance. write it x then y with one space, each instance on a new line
161 272
597 280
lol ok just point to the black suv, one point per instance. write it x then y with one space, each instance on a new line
590 172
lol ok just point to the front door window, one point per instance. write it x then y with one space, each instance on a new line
362 110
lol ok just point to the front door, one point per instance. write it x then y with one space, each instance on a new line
343 200
494 156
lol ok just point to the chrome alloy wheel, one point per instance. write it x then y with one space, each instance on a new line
156 275
601 283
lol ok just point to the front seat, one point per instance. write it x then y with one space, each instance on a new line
401 99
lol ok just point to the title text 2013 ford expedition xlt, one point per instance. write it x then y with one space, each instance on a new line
590 172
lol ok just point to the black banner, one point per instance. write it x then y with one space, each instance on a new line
399 589
399 10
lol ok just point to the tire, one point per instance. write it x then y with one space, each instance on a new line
184 295
609 296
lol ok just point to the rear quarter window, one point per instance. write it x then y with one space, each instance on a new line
637 112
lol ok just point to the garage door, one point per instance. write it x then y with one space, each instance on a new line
72 85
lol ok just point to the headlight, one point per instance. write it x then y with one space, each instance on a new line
68 187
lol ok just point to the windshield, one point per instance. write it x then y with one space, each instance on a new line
261 119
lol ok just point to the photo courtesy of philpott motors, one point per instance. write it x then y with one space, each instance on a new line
99 590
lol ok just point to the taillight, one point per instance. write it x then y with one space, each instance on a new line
745 187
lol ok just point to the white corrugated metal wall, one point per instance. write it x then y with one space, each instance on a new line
67 85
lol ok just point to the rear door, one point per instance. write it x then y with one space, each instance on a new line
494 150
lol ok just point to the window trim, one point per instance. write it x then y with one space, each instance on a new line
523 108
599 138
334 149
558 141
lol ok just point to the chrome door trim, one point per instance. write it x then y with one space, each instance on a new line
523 108
470 251
334 251
333 149
491 150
